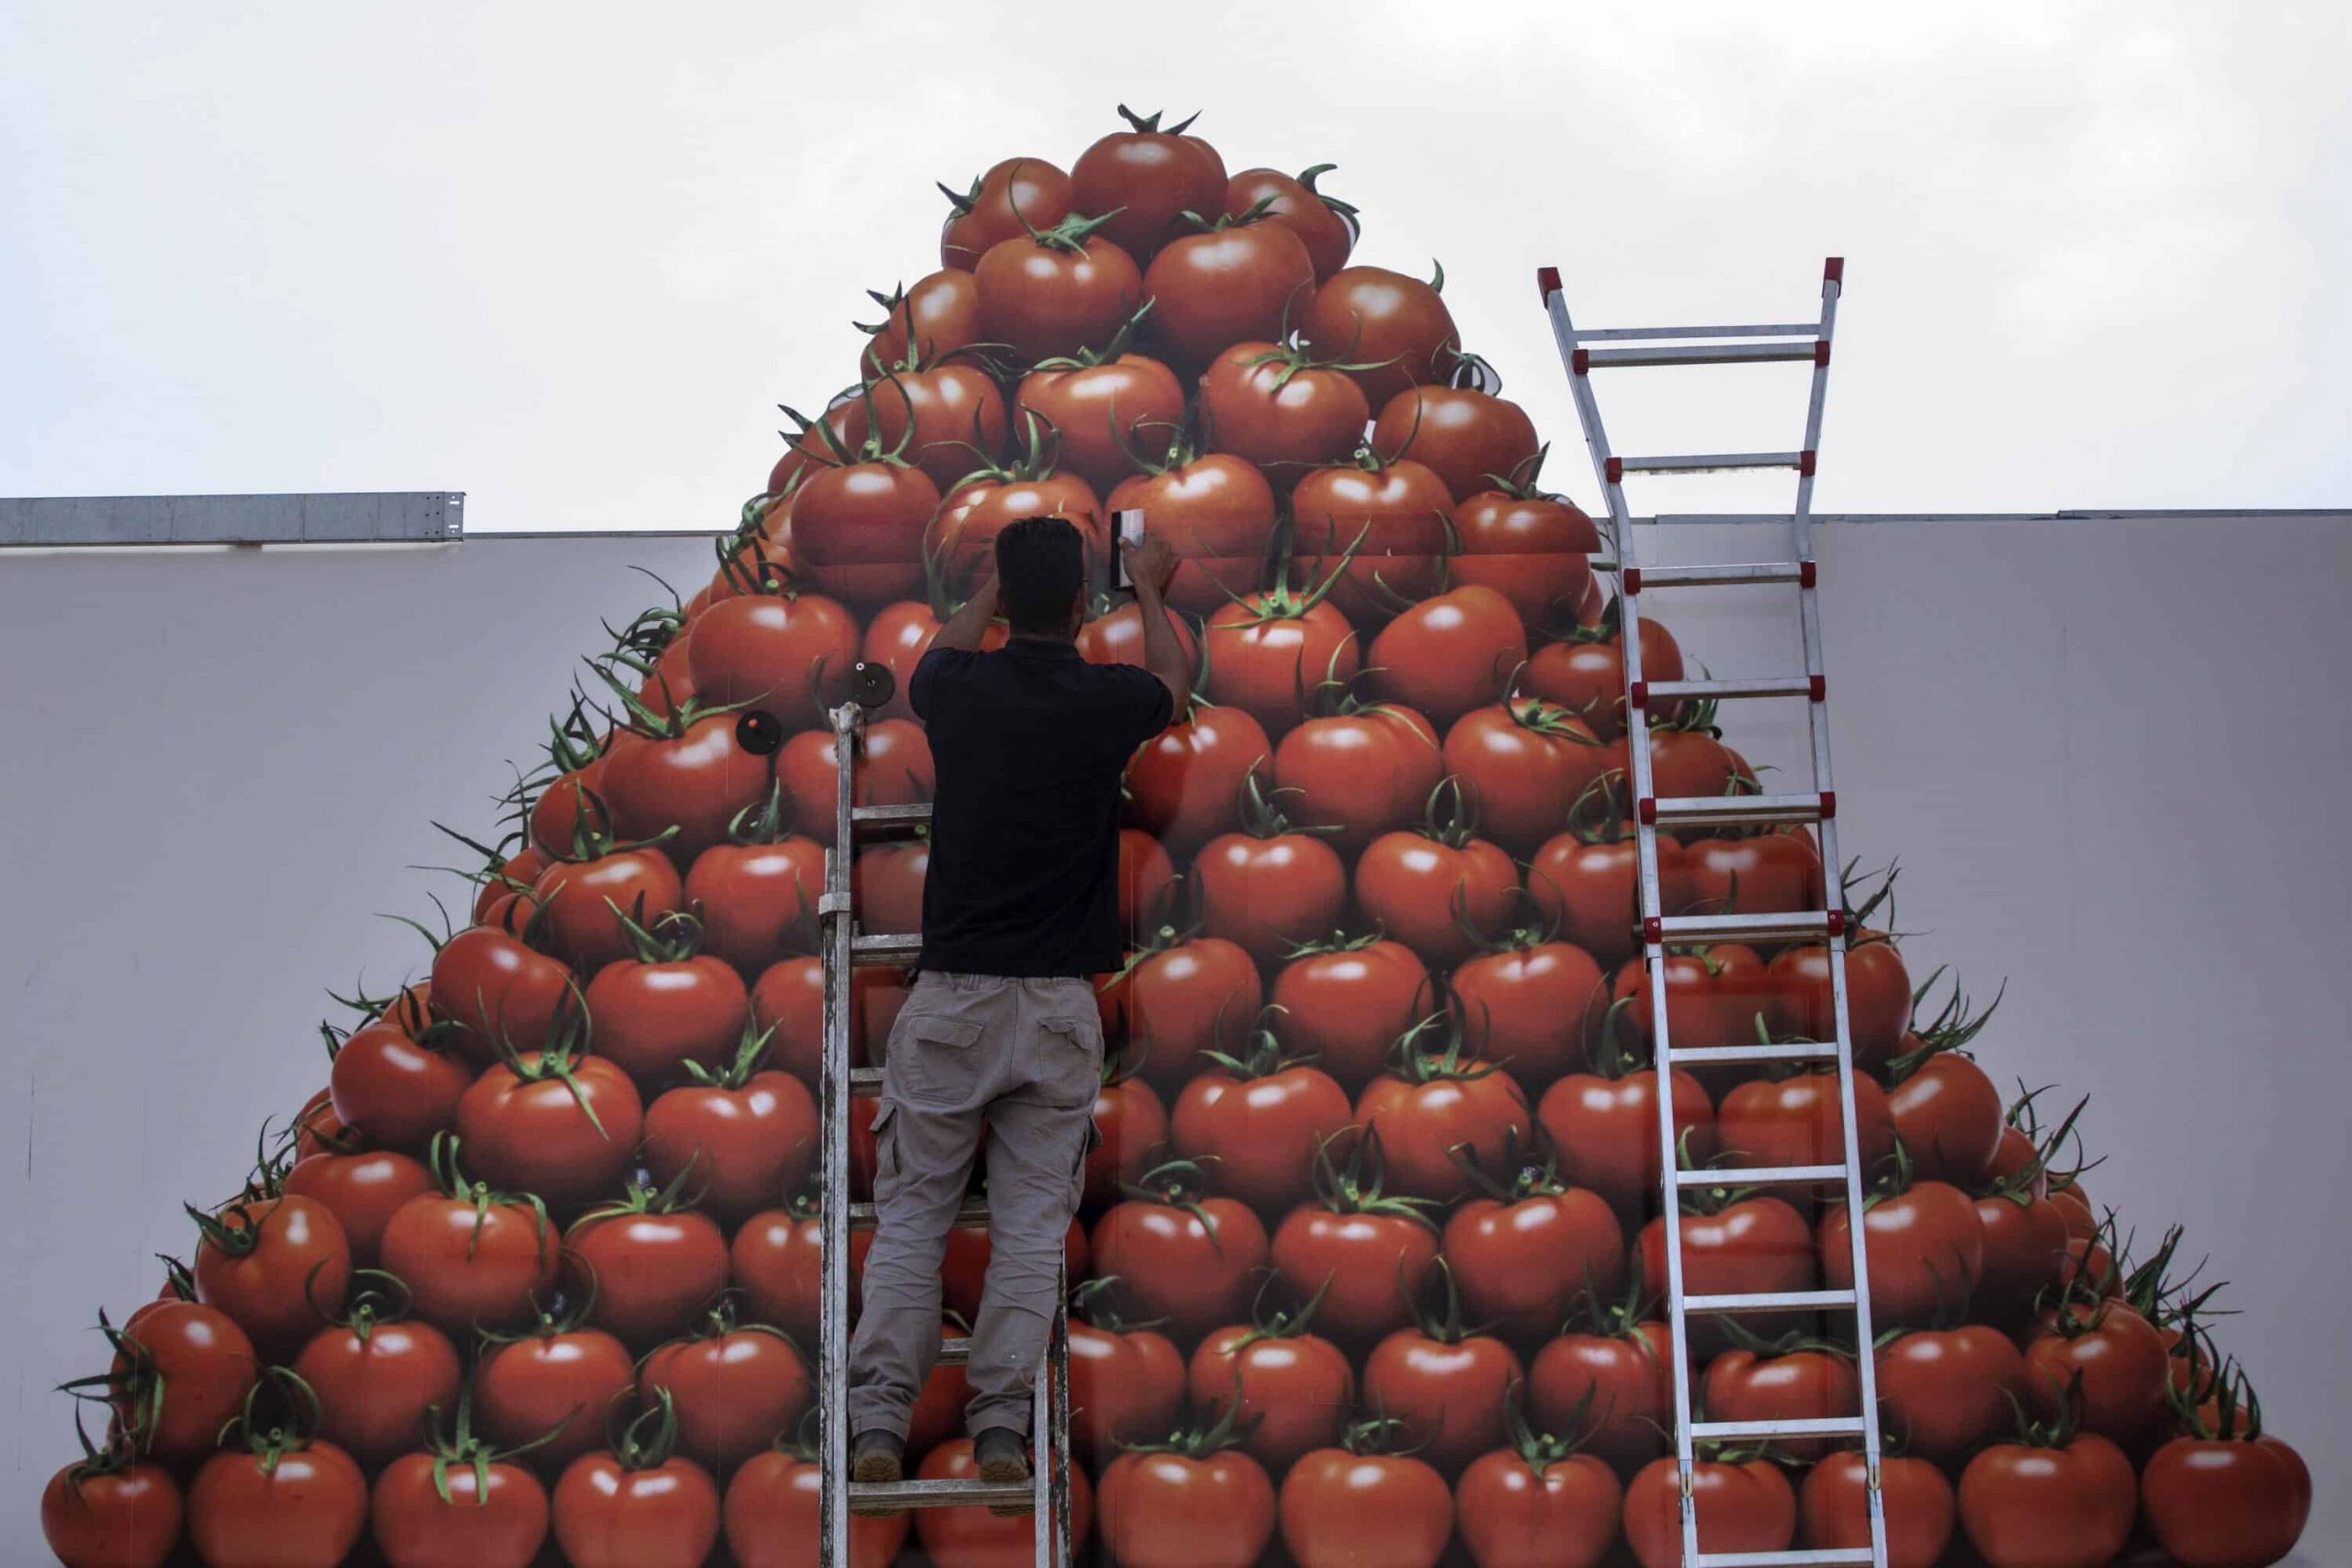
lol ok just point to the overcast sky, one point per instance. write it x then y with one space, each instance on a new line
568 258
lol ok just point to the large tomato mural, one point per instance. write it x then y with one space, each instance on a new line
1370 1249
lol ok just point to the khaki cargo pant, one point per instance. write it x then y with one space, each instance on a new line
1020 1059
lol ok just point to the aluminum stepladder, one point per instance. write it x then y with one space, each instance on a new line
1583 351
845 949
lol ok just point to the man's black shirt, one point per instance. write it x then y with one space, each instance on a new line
1029 742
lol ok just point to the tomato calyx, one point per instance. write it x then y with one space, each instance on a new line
673 937
750 1058
1071 233
1540 926
650 1438
1436 1306
459 1447
441 1159
1355 1183
1270 1320
2237 1409
1036 454
1294 356
745 566
1337 942
1179 1184
1261 818
2021 1186
1096 1302
2150 1290
1148 125
2057 1432
1611 1057
121 1450
281 1415
720 1321
1379 1436
641 1196
1697 1199
1540 1450
571 1316
1450 815
560 1058
131 1390
671 721
1949 1030
1265 1055
1411 1059
1534 1173
1087 357
1796 1341
377 1297
1195 1440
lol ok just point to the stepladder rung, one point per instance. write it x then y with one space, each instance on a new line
1758 1176
1669 334
938 1493
866 1083
1739 574
877 822
1826 1557
886 948
1734 1431
973 1212
1793 925
1709 462
1771 1300
1738 810
1709 354
1752 686
1741 1055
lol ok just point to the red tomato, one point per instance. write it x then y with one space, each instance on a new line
2025 1253
1056 292
975 1538
274 1266
2070 1506
1243 280
577 900
736 1390
1533 549
1742 1508
1181 1510
475 1259
1268 651
1522 1263
1381 529
499 991
182 1369
1346 1002
392 1092
1254 1125
361 1190
887 881
556 817
1359 1251
1618 1376
1429 1105
2226 1502
1449 655
897 637
1396 325
1294 1388
654 1271
1115 637
1146 178
787 654
1449 1390
1835 1507
941 314
1801 1119
1355 774
1944 1392
758 901
1470 439
1878 996
496 1516
1326 224
303 1509
558 1382
1015 196
1805 1384
1714 996
1423 887
125 1515
1341 1509
1216 512
894 768
1606 1130
689 780
1538 1512
1531 1007
1177 1001
1768 873
1926 1248
857 528
609 1514
653 1018
1126 1385
1749 1247
1184 785
960 539
749 1137
1268 403
943 417
549 1122
1269 890
375 1380
1949 1116
1102 410
1186 1258
1585 671
2122 1360
1145 874
772 1515
1524 762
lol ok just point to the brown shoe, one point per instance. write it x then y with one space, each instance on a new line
876 1456
1002 1455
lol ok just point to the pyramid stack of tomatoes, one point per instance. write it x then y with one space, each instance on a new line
1370 1249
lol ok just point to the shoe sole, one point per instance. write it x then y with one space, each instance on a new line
999 1471
869 1470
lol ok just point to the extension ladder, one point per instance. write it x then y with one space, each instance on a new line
845 949
1583 353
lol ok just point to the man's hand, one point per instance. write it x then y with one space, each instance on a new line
1150 564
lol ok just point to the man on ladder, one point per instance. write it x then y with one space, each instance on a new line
1001 1033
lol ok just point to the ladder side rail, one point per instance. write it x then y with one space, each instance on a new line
832 1387
1637 754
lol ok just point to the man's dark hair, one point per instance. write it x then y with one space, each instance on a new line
1040 563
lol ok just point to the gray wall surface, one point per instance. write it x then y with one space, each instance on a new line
2103 750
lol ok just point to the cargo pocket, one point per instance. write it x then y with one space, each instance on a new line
1070 1068
933 1060
886 1150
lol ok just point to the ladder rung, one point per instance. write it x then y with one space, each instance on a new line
1624 334
1771 1300
1727 1055
1742 574
1790 925
877 820
1737 810
1754 686
955 1352
1758 1176
1711 354
1733 1432
973 1212
940 1494
1832 1557
891 947
1709 462
865 1083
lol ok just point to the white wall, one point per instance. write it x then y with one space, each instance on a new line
2104 750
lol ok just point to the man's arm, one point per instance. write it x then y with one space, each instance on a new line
1150 564
967 626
